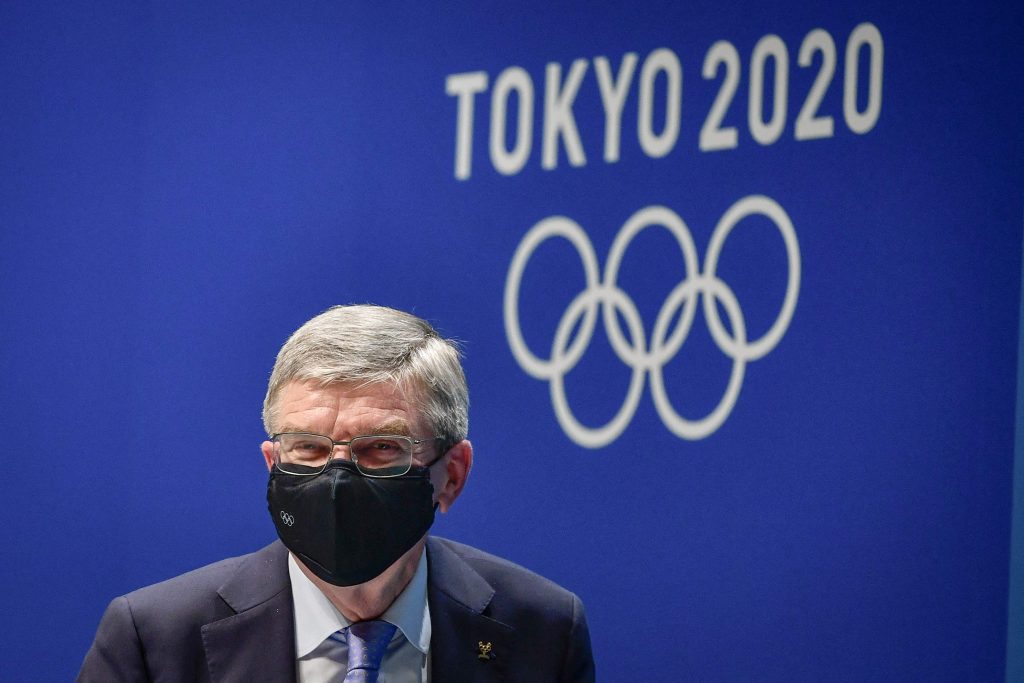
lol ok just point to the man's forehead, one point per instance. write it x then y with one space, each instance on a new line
316 389
356 386
377 408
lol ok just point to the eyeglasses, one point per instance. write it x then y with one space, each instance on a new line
380 455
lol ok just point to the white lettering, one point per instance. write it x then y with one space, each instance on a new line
713 135
510 162
558 117
862 121
769 47
613 97
513 113
464 86
661 60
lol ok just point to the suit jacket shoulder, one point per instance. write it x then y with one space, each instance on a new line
198 626
495 620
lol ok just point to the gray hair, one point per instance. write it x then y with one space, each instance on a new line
371 345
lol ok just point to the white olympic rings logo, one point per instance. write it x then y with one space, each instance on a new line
664 343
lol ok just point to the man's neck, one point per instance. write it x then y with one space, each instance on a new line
369 600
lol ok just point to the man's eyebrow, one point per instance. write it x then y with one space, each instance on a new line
289 428
397 427
394 426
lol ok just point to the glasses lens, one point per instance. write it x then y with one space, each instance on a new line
302 453
382 456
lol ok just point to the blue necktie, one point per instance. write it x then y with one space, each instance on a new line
367 641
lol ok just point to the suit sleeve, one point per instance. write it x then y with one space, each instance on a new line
578 666
116 653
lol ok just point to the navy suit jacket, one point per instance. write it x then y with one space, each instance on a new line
234 621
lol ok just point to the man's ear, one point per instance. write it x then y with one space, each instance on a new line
455 470
268 453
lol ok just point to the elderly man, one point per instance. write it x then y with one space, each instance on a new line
366 414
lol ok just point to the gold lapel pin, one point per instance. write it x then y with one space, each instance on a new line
485 651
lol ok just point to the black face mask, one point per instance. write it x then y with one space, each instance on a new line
347 528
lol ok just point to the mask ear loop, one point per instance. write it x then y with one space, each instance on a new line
436 460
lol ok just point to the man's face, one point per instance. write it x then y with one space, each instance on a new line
342 411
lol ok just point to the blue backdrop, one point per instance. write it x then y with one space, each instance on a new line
739 288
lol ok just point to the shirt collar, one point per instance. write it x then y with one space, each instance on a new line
316 619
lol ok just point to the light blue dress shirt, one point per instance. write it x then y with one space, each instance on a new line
319 657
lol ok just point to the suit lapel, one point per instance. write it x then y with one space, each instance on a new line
465 644
258 641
